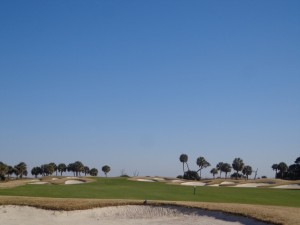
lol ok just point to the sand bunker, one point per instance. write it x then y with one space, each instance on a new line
254 185
74 182
133 215
289 186
227 183
193 183
40 182
145 180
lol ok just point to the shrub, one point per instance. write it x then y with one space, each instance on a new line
191 175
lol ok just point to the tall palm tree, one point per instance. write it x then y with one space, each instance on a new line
214 171
78 167
282 167
71 168
106 169
275 167
202 163
247 171
226 168
61 168
219 167
237 165
184 158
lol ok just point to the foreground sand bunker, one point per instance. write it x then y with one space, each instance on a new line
134 215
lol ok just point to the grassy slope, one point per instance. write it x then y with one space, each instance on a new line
121 188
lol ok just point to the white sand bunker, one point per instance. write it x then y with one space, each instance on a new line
74 182
39 182
193 183
252 185
227 183
289 186
133 215
145 180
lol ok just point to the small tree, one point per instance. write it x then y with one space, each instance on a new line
21 169
214 171
61 168
106 169
36 171
247 171
226 168
93 172
282 167
86 170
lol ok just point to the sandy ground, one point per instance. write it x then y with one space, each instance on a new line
134 215
252 185
145 180
74 182
193 183
289 186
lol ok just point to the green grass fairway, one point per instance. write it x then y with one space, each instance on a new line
121 188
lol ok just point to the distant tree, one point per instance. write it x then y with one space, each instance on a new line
275 167
297 161
106 169
3 170
54 166
294 171
184 158
226 168
94 172
71 168
10 171
237 165
282 167
247 171
219 167
21 169
36 171
202 163
214 171
86 170
61 168
47 169
78 167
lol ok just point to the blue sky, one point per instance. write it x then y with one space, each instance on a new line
133 84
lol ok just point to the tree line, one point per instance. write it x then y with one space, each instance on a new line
77 168
283 171
237 165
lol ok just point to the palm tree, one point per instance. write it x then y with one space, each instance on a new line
214 171
106 169
61 168
219 167
71 168
237 165
202 163
54 166
297 161
275 167
86 170
36 171
184 158
282 167
94 172
21 169
247 171
226 168
10 171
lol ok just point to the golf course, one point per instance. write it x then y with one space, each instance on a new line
277 206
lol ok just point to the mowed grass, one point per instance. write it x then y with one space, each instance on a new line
121 188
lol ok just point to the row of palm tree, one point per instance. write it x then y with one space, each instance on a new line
6 171
77 168
283 171
237 164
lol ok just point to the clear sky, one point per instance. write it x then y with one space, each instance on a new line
133 84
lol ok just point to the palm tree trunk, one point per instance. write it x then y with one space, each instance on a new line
183 168
187 166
